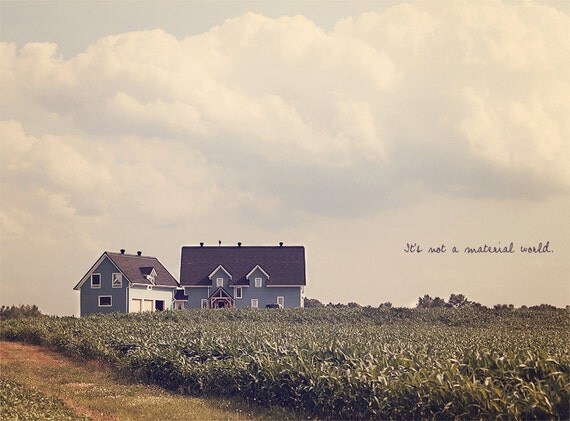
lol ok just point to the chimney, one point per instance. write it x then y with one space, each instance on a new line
202 244
122 251
280 243
139 253
239 244
219 243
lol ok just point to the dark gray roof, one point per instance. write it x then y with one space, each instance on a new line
285 265
135 268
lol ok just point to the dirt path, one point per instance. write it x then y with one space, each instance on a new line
92 390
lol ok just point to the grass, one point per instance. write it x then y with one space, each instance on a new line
40 384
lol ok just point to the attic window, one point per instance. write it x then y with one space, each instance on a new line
96 280
258 282
117 280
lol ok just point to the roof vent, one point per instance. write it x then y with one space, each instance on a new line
201 244
122 251
219 242
280 243
239 244
139 253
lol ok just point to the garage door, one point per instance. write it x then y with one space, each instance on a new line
148 305
136 305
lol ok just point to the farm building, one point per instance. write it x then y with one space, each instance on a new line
243 276
128 283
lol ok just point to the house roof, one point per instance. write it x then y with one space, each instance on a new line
135 268
285 265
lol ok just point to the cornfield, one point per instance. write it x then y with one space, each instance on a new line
355 363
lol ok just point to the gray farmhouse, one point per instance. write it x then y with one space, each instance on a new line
210 277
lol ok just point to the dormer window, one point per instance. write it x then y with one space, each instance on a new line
219 282
258 282
117 280
149 274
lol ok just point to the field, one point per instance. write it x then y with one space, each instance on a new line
356 363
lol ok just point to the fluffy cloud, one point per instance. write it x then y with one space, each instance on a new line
466 100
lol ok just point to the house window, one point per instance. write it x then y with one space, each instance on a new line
254 303
117 280
159 305
96 280
258 282
204 303
219 282
238 293
105 301
281 301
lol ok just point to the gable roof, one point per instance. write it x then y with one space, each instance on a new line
285 265
135 268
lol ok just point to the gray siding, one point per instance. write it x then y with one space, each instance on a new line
265 295
220 273
195 296
90 296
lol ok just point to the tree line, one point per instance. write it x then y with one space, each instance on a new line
17 312
454 301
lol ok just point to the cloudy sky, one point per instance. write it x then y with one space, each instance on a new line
352 128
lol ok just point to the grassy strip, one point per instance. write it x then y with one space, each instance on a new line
18 402
94 391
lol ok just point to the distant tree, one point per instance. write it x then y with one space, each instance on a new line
458 300
424 302
14 312
352 304
543 307
504 307
438 302
387 304
313 303
427 302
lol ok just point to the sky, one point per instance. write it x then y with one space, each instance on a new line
356 129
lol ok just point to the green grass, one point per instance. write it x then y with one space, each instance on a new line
37 384
19 402
337 363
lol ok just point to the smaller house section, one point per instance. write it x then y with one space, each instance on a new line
127 283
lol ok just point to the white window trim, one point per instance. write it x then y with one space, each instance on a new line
95 286
104 305
238 294
204 303
258 282
254 303
281 300
118 276
219 282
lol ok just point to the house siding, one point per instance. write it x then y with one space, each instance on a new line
195 296
292 296
141 292
220 273
89 296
